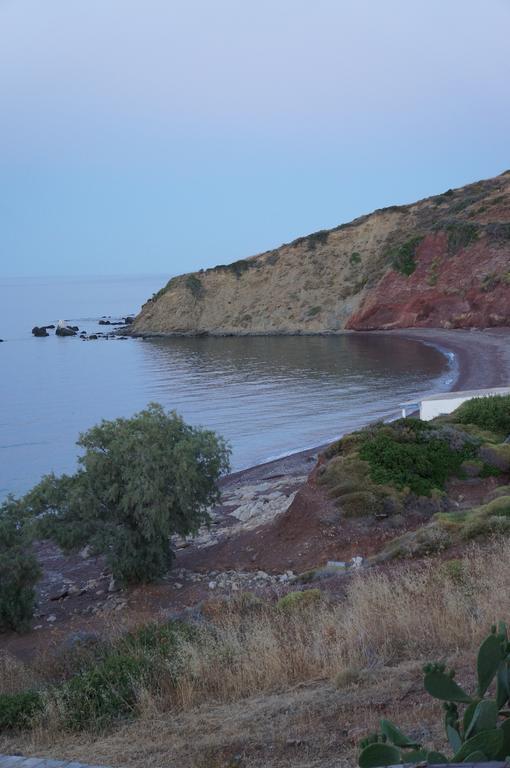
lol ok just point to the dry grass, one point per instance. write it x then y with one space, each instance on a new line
385 619
354 656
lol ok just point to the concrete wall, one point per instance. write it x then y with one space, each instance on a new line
429 409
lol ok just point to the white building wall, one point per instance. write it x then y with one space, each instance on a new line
429 409
433 406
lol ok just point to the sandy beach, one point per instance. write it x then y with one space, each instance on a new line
482 360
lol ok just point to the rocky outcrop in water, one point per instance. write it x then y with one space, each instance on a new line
441 262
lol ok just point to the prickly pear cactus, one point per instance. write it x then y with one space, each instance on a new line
482 733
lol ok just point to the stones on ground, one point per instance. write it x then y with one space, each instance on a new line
59 593
86 552
51 619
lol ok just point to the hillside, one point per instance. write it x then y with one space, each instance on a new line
441 262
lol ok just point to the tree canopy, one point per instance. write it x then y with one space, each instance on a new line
139 481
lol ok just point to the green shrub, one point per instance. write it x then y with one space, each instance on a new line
194 285
489 282
453 570
354 258
424 541
237 267
139 481
104 692
297 601
403 257
358 503
411 454
460 235
491 413
317 238
19 570
17 710
314 311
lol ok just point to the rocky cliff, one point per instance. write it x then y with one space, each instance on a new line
441 262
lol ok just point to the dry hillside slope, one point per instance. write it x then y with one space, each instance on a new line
441 262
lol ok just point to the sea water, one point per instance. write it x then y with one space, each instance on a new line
267 395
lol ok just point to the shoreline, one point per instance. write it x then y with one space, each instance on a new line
482 359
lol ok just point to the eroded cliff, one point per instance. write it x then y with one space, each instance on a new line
441 262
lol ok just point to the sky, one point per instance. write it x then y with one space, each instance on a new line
162 136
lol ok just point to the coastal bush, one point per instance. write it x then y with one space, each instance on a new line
317 238
140 480
194 285
106 686
298 601
403 256
358 503
491 413
460 235
102 693
427 540
354 258
412 454
19 570
17 710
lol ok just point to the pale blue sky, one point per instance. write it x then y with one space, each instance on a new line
167 135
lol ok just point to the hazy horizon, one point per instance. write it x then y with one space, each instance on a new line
163 137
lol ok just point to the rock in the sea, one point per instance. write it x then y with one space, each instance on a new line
65 330
104 322
129 320
39 331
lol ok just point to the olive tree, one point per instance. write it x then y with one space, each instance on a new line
139 481
19 569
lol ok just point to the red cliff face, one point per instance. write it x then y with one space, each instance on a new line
440 262
470 288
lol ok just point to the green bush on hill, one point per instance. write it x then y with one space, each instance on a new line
140 480
413 454
492 413
194 285
18 709
403 257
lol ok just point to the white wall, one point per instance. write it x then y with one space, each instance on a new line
429 409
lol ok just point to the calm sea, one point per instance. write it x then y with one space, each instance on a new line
267 396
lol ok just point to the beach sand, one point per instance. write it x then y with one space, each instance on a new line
482 360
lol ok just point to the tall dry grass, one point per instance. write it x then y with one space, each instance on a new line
386 618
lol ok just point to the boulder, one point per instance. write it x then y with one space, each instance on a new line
65 330
104 322
129 320
39 331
